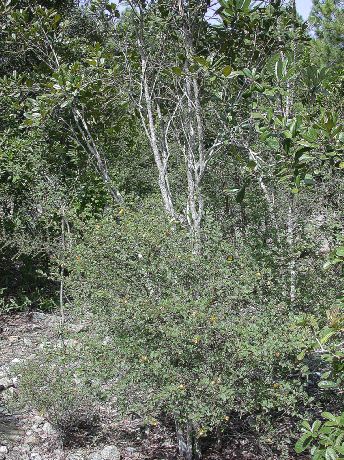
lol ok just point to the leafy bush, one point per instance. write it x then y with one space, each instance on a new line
192 337
325 438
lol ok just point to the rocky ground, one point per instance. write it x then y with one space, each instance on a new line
27 435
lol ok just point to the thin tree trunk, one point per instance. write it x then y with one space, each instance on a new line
195 157
161 159
291 218
91 147
292 263
187 442
63 249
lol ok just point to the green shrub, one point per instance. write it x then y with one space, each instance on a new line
192 337
325 438
52 385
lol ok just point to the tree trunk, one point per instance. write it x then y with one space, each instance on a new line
91 148
292 263
187 442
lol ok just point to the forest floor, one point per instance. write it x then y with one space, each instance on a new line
27 435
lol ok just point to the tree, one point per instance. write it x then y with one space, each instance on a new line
326 19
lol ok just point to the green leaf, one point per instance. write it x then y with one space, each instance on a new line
227 70
328 416
251 165
257 116
327 384
329 122
306 425
269 92
316 425
287 145
91 62
330 454
294 127
308 179
340 251
272 142
202 61
303 443
326 334
177 71
300 356
245 6
57 19
248 73
235 73
327 265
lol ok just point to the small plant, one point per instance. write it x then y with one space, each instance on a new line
53 388
9 304
325 439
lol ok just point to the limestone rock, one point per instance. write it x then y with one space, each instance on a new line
35 456
3 452
76 456
32 440
5 383
108 453
48 428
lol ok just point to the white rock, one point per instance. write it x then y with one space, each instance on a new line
75 456
106 341
32 440
3 452
35 456
5 383
77 328
10 392
94 456
38 316
48 428
38 420
13 338
108 453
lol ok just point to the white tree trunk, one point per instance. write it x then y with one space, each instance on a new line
292 263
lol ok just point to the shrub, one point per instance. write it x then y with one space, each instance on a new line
325 437
192 337
54 388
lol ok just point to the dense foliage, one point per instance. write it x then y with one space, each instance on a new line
172 173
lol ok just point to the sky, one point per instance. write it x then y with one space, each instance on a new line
304 7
